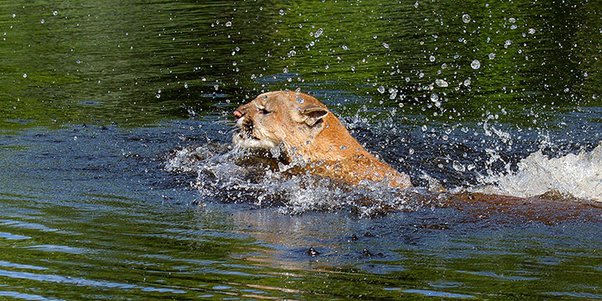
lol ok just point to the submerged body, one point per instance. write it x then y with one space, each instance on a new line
301 129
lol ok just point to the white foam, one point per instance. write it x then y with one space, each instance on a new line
231 175
577 175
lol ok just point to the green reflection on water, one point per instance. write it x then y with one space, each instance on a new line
137 63
139 253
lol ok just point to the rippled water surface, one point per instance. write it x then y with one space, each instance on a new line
118 180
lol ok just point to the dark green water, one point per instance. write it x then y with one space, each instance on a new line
96 97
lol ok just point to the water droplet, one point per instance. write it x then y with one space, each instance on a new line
386 45
42 21
186 85
434 97
345 47
512 20
281 12
393 93
381 89
78 61
507 43
14 15
228 24
491 56
24 75
475 64
466 18
432 58
458 166
467 82
531 30
441 83
318 32
55 13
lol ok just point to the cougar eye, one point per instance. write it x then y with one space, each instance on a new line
263 110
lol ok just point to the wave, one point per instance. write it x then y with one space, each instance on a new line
573 176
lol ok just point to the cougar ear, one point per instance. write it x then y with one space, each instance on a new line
313 114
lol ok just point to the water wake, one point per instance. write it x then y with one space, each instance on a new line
225 174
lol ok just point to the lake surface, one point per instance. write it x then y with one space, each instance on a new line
118 180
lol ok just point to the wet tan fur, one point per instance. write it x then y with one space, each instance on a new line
326 145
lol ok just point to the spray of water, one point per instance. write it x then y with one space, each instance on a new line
233 175
574 175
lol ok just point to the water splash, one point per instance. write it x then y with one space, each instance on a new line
226 174
574 175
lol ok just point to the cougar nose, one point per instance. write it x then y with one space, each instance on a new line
237 113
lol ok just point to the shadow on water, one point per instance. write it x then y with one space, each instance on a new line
102 104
